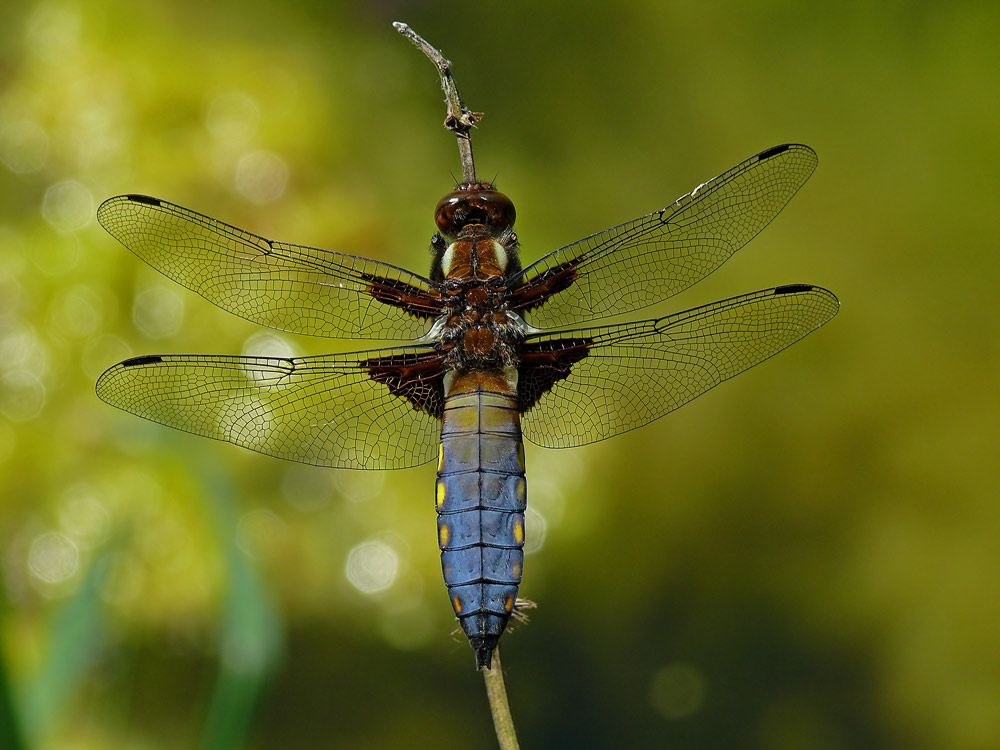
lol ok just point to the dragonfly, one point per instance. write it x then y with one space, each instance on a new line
495 351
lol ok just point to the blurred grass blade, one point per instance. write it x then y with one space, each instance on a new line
10 730
74 641
250 639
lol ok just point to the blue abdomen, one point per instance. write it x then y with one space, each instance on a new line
480 498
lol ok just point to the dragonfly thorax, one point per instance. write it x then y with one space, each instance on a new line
482 339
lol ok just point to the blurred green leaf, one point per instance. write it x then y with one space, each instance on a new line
73 645
10 725
250 635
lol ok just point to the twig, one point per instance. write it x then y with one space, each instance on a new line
503 722
460 120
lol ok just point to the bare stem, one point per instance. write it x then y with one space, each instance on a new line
460 120
503 722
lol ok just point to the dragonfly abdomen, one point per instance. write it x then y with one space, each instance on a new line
480 498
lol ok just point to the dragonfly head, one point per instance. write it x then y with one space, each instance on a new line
474 203
477 221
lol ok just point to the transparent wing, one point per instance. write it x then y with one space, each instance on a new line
366 410
586 385
289 287
651 258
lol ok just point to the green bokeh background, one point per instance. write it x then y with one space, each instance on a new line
807 557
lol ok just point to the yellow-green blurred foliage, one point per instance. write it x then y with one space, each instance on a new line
807 557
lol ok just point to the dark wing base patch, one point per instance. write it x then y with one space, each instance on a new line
413 300
417 378
545 363
538 290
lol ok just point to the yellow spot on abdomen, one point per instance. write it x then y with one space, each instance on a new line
444 534
440 456
458 604
519 531
515 570
509 603
440 494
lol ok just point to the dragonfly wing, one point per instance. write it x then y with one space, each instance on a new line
654 257
290 287
378 409
581 386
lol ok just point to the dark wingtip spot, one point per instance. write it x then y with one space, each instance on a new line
772 152
794 288
143 199
146 359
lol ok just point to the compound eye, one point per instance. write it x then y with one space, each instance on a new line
474 204
499 208
444 214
